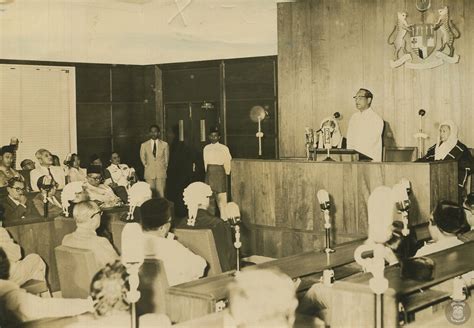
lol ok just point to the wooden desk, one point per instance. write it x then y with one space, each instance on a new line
197 298
277 198
353 300
41 236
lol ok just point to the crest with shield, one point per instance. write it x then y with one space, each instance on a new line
422 40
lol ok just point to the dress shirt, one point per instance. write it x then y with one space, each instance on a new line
17 203
120 173
181 265
438 246
364 134
217 154
56 171
87 239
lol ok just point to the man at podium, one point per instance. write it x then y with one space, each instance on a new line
364 133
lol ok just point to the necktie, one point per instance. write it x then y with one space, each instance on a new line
51 175
154 148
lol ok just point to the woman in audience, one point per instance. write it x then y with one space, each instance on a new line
74 172
109 289
47 198
448 147
196 197
17 306
6 170
96 161
73 193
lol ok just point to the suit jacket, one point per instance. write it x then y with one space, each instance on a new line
15 212
155 167
54 210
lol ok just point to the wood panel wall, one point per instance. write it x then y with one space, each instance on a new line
328 49
278 198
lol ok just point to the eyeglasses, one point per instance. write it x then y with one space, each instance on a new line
100 212
95 178
19 189
358 97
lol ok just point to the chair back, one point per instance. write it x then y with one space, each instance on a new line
202 243
404 154
76 268
152 287
117 227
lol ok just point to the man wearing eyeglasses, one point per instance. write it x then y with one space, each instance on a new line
364 133
97 190
87 217
17 206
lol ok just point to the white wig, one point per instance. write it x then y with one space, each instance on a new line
138 193
195 195
380 211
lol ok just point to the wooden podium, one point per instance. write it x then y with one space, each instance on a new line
278 202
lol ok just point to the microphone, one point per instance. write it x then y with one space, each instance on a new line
323 198
403 204
337 115
132 258
232 213
421 112
327 137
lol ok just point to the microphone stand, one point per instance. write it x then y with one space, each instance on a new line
421 136
327 229
237 245
133 295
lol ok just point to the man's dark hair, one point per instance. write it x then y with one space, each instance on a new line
7 149
4 265
154 126
450 217
24 162
154 213
368 94
11 182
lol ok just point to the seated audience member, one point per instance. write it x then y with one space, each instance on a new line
48 198
73 193
95 160
17 306
139 193
120 173
447 222
98 191
196 197
74 172
181 265
27 165
262 298
469 209
21 270
337 140
46 168
109 289
16 205
87 217
448 147
380 211
6 170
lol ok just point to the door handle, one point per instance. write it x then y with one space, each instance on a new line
181 130
202 129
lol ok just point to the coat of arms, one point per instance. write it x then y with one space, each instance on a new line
424 45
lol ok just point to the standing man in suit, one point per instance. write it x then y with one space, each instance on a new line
154 154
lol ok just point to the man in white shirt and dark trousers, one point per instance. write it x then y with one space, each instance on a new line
217 165
154 154
181 265
364 133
